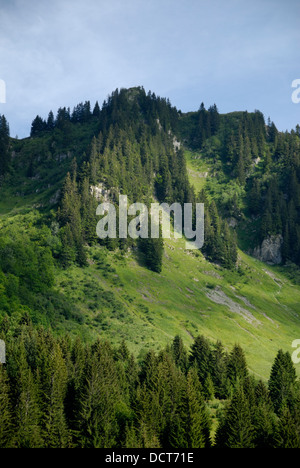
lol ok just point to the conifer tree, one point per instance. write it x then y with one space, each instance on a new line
55 427
38 125
198 423
28 431
235 429
287 434
201 356
28 415
97 420
263 418
219 370
50 121
237 370
282 381
6 428
179 353
5 157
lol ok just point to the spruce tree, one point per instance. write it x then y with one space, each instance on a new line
6 428
282 381
5 157
237 370
235 429
202 357
287 434
179 353
28 414
55 428
263 418
97 421
219 369
198 422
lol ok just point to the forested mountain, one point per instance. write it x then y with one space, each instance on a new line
61 287
59 393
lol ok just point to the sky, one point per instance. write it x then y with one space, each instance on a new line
238 54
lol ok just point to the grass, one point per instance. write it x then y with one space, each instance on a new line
118 298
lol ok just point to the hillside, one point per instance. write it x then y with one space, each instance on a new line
140 342
106 290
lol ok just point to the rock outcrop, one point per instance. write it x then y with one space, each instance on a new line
270 250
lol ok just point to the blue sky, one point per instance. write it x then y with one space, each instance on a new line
241 55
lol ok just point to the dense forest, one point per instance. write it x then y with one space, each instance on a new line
131 152
127 147
61 393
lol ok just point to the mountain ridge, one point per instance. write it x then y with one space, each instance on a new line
128 150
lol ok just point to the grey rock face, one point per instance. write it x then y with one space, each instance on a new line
270 250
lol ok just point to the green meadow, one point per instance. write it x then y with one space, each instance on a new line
256 306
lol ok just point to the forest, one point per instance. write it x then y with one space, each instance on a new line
63 393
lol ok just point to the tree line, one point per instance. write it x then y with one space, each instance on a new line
58 392
133 154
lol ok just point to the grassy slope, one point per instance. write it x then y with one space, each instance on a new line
120 299
157 307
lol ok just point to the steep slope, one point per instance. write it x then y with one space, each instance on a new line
256 306
114 295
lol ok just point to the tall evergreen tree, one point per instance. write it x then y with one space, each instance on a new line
5 157
6 428
282 381
55 427
235 429
201 356
237 370
198 423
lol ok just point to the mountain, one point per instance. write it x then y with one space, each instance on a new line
144 342
246 173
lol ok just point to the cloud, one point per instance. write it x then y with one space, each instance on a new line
60 53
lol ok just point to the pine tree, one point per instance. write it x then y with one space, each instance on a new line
132 440
97 420
153 250
38 125
287 434
50 121
55 427
282 381
179 353
235 429
68 251
255 197
263 418
219 370
96 110
201 356
237 370
28 415
70 216
198 423
5 157
6 428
